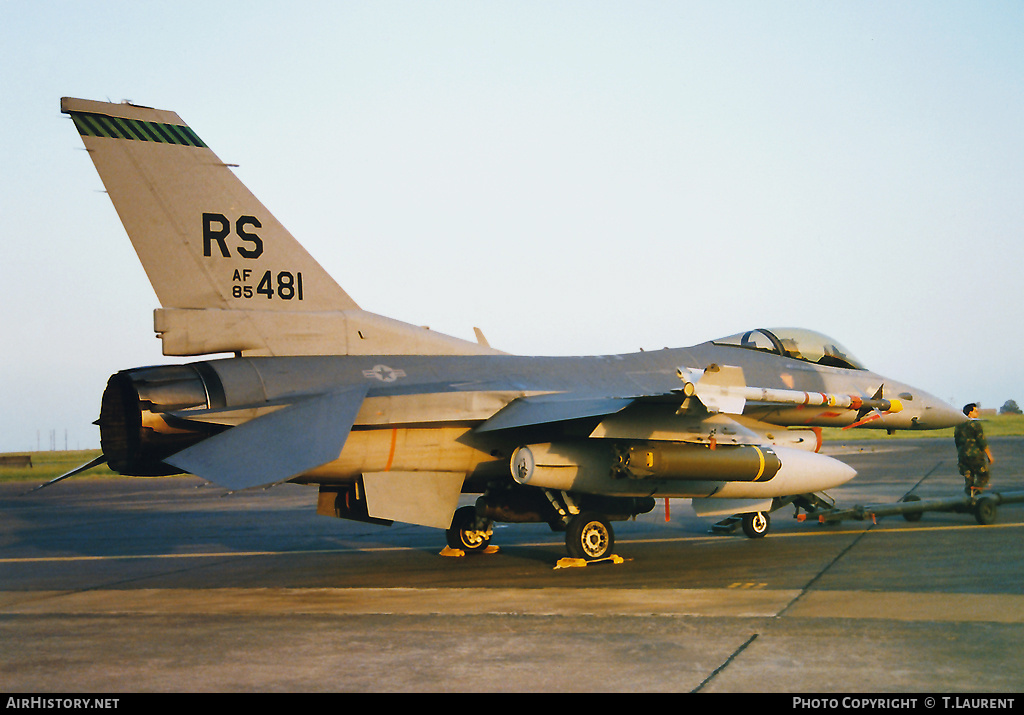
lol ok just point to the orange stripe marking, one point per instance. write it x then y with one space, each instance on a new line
391 454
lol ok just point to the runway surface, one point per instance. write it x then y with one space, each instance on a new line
141 585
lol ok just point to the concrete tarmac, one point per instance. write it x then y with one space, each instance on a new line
164 585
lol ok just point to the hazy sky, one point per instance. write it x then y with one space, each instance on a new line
571 177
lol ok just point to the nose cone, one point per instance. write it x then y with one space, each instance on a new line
940 414
923 411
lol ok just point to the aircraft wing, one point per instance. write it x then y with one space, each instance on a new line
276 446
545 409
714 395
712 415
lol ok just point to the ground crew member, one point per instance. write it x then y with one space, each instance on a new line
973 454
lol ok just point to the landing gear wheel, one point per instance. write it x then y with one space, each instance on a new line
912 515
463 534
985 511
589 537
756 524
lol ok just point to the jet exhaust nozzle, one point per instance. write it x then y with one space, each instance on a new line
137 427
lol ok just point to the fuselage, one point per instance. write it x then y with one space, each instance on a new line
424 412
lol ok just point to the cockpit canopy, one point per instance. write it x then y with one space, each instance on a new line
797 343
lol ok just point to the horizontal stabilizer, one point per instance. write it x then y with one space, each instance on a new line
277 446
544 409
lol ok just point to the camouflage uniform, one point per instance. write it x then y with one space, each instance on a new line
970 449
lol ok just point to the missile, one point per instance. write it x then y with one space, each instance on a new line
719 396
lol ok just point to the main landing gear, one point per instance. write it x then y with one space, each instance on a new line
466 533
589 536
585 519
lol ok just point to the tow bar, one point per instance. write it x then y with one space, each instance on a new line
912 508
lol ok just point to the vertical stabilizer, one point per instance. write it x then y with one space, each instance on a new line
229 276
204 240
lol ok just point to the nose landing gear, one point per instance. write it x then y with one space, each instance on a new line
756 524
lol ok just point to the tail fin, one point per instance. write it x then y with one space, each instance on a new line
229 276
204 240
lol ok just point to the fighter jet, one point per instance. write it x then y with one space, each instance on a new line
395 422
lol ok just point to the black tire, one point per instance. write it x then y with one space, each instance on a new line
986 510
589 537
756 524
462 535
912 515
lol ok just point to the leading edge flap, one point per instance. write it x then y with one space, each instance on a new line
544 409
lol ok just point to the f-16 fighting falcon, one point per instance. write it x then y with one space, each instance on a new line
394 422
